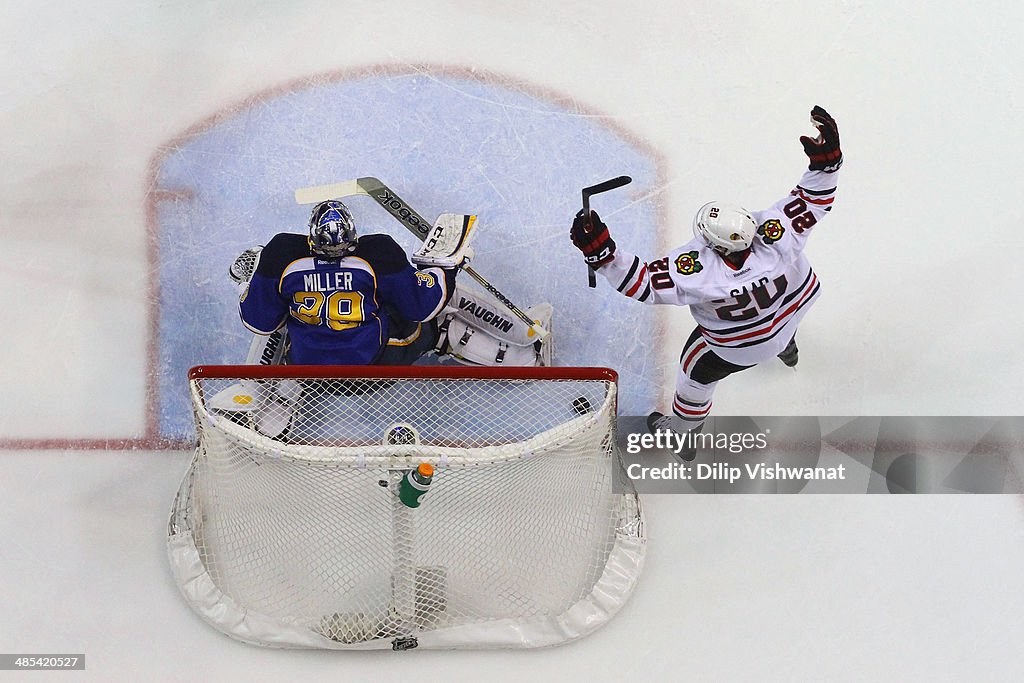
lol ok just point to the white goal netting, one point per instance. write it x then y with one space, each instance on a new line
288 531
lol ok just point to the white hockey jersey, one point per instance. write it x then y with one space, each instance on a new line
747 314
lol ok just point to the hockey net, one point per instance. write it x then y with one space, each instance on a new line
288 531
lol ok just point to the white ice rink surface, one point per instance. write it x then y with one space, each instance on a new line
735 588
919 316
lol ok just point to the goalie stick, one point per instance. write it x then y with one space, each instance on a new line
414 222
598 189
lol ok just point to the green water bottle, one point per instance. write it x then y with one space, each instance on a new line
415 484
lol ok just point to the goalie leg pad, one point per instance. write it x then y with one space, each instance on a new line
484 312
268 349
471 345
268 409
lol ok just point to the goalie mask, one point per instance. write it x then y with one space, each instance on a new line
725 227
332 231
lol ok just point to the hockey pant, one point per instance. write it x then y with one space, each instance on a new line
700 370
408 341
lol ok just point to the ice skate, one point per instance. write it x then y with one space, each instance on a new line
656 421
790 355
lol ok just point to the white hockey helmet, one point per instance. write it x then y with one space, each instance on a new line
726 228
332 231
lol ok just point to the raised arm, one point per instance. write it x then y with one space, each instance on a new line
812 198
648 282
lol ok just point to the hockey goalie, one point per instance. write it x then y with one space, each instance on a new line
334 297
346 299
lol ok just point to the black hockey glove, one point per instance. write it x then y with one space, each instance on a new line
590 235
823 151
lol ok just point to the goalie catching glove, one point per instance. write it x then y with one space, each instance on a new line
241 270
591 236
447 243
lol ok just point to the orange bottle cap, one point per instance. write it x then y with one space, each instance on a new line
426 469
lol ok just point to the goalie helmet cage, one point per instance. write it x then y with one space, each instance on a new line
287 529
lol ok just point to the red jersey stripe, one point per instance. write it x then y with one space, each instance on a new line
814 200
689 411
697 349
639 279
778 319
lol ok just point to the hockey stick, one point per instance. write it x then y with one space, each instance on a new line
415 223
598 189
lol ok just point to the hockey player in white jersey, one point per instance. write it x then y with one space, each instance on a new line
744 276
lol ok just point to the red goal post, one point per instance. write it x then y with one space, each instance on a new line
401 372
289 530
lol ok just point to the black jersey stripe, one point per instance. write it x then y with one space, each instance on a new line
816 193
647 293
776 321
803 285
691 403
748 326
689 418
695 338
762 340
630 274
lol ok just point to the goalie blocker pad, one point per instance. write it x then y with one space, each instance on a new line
447 243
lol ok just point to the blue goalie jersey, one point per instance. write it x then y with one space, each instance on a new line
340 311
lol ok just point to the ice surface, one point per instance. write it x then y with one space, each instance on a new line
751 587
102 110
443 143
